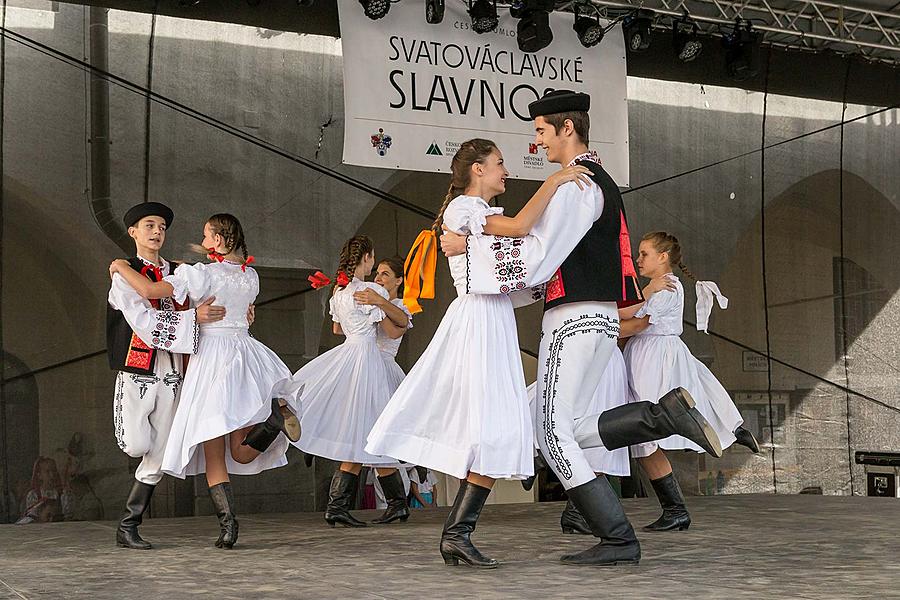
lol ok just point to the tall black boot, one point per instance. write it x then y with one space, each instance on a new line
223 500
343 490
127 535
647 421
282 419
675 514
598 503
571 521
392 485
456 544
745 437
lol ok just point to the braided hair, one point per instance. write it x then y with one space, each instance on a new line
470 152
668 243
232 233
352 254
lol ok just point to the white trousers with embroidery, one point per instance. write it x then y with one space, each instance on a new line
577 341
143 409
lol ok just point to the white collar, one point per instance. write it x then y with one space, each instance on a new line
590 155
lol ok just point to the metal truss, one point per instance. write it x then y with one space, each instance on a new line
801 24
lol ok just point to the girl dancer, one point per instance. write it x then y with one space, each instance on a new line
659 361
225 404
389 275
462 409
339 394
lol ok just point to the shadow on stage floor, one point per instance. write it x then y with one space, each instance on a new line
751 546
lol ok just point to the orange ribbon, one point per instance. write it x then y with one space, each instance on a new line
418 270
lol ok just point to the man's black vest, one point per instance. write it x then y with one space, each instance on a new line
125 350
600 268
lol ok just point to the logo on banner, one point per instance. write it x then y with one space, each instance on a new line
532 160
381 142
434 150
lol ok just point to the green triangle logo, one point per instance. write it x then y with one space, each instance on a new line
433 150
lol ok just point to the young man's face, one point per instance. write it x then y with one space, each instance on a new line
149 232
546 136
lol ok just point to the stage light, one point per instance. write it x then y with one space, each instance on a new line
590 32
434 11
533 32
484 15
637 30
376 9
742 51
685 41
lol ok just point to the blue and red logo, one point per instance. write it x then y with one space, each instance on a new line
381 142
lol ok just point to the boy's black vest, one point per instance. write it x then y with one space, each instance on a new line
600 268
125 350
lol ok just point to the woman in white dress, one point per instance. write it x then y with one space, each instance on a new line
613 390
225 406
339 395
659 361
393 483
462 409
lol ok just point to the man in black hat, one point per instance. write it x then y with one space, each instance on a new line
578 258
146 341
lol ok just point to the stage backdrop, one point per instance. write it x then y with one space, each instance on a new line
414 91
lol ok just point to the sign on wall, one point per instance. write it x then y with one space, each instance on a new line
414 91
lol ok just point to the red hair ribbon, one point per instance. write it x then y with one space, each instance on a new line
318 280
247 261
213 255
342 279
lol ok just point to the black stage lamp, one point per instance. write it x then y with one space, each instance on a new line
590 32
742 51
484 15
533 32
434 11
685 40
376 9
637 30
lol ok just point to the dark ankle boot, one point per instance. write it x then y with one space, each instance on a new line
745 437
675 514
571 521
539 466
603 512
127 535
392 486
456 544
281 420
342 493
647 421
223 500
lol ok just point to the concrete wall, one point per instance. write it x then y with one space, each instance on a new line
821 201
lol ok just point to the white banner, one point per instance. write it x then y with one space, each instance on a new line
413 91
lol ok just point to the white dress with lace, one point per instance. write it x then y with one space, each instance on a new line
462 407
339 395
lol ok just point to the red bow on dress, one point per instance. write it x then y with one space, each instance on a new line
318 280
247 261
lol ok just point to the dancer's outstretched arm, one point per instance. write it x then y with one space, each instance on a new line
521 224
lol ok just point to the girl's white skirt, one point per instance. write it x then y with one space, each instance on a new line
226 387
463 406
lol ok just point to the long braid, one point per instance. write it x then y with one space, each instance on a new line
352 254
232 233
436 226
686 271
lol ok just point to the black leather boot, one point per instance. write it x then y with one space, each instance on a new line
343 490
456 544
675 514
745 437
223 500
127 535
571 521
282 419
598 503
397 509
647 421
539 466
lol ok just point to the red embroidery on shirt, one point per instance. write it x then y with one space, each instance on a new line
555 287
139 354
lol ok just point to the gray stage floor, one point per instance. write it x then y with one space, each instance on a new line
738 547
